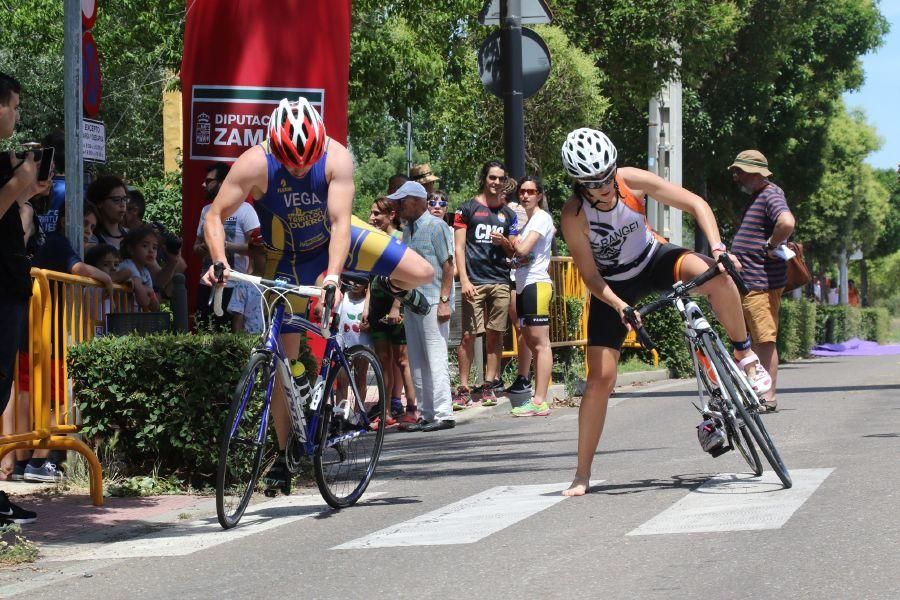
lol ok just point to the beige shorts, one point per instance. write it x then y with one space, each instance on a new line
489 309
761 313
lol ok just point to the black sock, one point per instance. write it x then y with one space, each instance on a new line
22 463
37 463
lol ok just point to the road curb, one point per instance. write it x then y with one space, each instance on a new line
506 403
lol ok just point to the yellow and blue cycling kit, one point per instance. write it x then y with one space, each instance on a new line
295 229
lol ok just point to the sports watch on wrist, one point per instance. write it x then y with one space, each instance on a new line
445 298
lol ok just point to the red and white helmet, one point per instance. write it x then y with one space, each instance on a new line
296 134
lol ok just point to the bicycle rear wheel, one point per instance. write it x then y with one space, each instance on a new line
738 435
347 449
248 447
738 389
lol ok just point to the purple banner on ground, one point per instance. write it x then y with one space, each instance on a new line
855 347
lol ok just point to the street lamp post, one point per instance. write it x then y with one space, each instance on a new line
513 98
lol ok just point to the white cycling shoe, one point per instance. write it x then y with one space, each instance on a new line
761 381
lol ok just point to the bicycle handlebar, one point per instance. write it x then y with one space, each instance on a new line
307 291
681 290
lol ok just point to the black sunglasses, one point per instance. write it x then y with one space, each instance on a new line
441 203
595 184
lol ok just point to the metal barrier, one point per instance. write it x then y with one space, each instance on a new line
64 310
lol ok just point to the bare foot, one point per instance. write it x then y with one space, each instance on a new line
579 487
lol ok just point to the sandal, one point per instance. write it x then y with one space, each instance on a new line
768 406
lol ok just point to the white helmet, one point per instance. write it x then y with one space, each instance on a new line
588 153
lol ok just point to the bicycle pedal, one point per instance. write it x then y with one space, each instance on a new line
717 452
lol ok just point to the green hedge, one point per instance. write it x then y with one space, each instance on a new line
160 399
796 328
835 324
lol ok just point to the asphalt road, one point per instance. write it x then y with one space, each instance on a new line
474 512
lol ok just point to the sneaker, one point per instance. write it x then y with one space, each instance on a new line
530 409
277 475
711 435
462 399
10 513
488 397
522 385
760 381
18 472
414 426
396 407
43 474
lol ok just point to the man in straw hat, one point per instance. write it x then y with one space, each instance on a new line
422 174
767 223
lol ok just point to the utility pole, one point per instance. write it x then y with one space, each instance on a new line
664 156
513 98
72 106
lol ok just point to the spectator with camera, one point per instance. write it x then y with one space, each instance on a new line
240 229
18 182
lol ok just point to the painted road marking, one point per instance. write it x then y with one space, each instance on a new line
736 502
187 538
469 520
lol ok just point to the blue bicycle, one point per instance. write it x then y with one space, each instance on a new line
339 423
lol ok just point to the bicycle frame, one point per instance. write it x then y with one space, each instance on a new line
334 353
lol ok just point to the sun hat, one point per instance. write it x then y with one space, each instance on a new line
422 173
752 161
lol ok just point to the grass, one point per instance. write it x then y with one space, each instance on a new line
631 364
15 549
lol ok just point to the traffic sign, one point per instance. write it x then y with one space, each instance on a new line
535 63
88 14
93 140
90 75
534 12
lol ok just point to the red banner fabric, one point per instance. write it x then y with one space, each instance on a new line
240 58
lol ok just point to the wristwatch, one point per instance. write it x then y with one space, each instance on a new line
445 298
770 245
720 247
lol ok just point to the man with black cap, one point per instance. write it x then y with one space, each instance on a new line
767 223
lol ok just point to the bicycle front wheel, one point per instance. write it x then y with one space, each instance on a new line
248 447
738 389
348 442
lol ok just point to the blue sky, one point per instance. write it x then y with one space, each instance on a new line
880 94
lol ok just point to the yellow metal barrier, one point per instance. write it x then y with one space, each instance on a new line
632 343
64 310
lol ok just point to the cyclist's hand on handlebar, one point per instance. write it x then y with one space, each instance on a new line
624 318
209 278
732 257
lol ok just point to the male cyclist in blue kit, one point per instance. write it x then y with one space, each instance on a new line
302 185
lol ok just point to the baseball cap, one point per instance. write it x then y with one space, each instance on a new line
410 188
752 161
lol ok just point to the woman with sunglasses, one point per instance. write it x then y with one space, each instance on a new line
385 323
534 290
621 260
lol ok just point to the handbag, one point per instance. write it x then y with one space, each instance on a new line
797 271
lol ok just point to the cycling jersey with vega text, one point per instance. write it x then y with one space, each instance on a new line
485 262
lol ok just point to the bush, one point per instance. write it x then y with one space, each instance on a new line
806 326
875 324
788 340
164 398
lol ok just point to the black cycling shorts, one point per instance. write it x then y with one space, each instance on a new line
533 304
605 328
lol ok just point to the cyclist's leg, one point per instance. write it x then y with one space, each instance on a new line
605 336
374 251
536 316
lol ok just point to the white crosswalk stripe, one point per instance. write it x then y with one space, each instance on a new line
736 502
468 520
